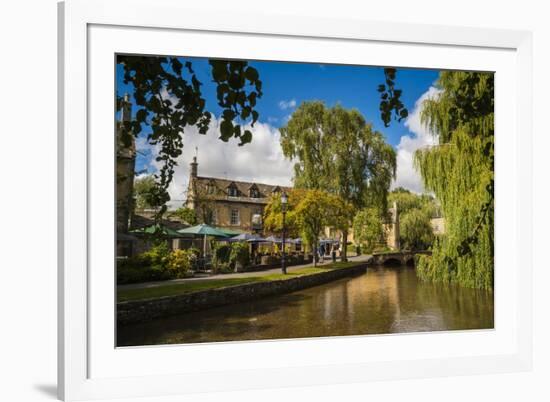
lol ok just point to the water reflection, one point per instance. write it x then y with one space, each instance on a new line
385 300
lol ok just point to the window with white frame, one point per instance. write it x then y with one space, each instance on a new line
235 217
214 216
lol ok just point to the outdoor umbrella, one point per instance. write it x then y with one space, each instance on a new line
273 239
203 230
247 237
229 232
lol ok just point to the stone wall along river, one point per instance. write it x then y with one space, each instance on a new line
382 301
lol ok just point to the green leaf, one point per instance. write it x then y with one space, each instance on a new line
219 70
246 137
252 99
226 130
251 74
228 114
245 112
255 116
141 115
176 65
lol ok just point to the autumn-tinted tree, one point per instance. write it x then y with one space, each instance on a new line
308 213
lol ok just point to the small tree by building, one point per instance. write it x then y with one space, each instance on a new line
368 229
186 215
308 213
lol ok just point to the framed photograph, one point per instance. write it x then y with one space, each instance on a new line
282 201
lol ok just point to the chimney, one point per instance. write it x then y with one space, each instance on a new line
194 168
126 114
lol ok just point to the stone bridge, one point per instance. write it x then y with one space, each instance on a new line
397 257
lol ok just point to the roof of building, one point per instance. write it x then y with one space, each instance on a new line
141 220
243 189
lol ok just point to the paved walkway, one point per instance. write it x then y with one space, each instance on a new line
234 275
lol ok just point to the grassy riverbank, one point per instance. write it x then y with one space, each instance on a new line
190 286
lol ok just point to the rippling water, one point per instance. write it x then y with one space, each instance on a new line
384 300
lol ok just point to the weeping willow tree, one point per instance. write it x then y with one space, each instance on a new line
460 172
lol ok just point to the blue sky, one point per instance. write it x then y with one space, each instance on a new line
285 86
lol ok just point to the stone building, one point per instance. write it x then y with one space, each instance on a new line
392 228
125 167
239 206
230 204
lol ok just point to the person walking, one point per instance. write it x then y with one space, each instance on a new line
321 253
333 252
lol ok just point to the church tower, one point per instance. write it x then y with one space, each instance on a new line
191 186
125 168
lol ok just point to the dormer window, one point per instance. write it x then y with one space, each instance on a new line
277 189
254 192
232 190
210 188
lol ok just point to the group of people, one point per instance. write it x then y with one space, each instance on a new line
324 248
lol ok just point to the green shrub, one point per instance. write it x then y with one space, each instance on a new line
221 255
157 256
240 254
179 263
156 264
224 268
129 272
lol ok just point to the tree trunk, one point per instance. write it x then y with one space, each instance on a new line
344 256
314 253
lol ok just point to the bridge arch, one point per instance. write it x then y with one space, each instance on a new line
397 258
392 261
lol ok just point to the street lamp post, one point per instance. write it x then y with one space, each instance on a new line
284 201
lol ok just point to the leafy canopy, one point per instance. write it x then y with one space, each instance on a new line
146 193
460 172
368 229
415 229
336 151
168 97
186 215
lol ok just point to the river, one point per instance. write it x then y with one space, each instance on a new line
383 300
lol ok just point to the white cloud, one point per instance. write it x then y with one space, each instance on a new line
260 161
406 175
289 104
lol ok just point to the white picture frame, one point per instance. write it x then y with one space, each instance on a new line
90 367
